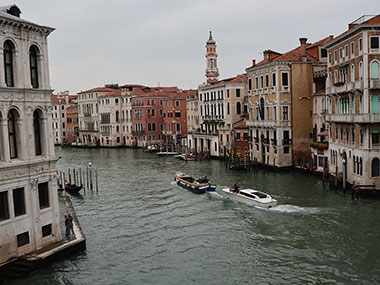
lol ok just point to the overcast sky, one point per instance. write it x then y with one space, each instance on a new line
162 42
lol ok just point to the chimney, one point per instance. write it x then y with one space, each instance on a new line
303 46
253 62
266 54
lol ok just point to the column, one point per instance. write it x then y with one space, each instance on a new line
5 155
2 75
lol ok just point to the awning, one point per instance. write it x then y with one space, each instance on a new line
324 134
343 66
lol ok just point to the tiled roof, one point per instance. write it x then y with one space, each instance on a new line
241 78
97 89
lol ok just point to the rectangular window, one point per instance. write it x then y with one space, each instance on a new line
285 81
228 93
346 50
177 103
22 239
46 230
43 194
245 136
4 209
273 79
238 136
256 82
335 55
340 53
19 201
266 80
250 84
261 81
374 41
329 60
323 53
352 49
360 44
237 92
178 114
285 115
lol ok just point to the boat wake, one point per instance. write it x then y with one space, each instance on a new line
216 194
294 209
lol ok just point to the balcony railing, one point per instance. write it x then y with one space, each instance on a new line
267 123
374 84
354 118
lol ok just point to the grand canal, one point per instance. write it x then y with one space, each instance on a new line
143 229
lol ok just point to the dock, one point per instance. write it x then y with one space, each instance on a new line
23 266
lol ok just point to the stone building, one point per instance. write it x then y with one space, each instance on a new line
60 102
88 113
353 87
72 124
280 88
29 212
221 104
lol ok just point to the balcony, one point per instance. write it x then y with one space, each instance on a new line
354 118
87 114
374 84
267 123
285 89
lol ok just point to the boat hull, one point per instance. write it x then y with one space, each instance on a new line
242 199
199 189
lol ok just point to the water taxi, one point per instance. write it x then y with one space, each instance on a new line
250 197
196 185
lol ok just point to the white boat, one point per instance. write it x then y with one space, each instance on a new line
167 153
250 197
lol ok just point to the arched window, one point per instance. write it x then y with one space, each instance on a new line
117 116
375 168
352 73
361 167
353 104
33 53
354 164
37 132
375 69
149 127
12 133
8 63
153 127
375 104
261 109
361 107
360 70
238 108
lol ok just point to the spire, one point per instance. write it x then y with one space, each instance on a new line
210 39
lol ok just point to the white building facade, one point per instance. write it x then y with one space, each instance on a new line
29 212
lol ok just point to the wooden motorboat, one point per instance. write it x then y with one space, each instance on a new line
196 185
192 157
250 197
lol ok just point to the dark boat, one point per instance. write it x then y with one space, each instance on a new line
196 185
73 188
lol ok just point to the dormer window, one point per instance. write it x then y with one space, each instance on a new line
14 11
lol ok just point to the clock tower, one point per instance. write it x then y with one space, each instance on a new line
212 71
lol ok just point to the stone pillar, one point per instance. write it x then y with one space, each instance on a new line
20 139
2 75
5 154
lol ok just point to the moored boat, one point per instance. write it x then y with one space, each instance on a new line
250 197
73 188
196 185
192 157
167 153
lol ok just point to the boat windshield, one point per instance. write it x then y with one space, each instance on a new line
188 179
260 195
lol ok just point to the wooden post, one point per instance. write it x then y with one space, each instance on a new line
87 178
91 179
96 177
75 178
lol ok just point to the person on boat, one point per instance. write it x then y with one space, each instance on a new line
67 232
235 188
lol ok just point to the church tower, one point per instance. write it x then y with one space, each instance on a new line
212 71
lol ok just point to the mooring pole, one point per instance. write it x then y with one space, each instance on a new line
96 177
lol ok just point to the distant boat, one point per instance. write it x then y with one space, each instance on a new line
192 157
167 153
250 197
196 185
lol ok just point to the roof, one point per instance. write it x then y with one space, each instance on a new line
298 54
241 78
97 89
5 12
61 99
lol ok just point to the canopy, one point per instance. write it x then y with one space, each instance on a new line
324 133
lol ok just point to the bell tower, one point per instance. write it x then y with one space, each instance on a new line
212 71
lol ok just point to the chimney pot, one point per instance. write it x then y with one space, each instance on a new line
253 62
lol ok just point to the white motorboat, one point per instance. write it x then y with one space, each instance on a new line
251 197
162 153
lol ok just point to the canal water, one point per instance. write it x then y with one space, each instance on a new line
143 229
